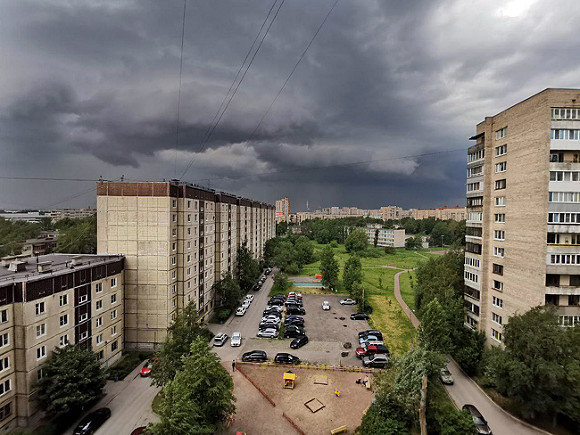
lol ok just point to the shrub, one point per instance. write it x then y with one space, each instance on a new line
224 313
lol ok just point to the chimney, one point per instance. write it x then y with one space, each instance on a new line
17 266
44 266
76 260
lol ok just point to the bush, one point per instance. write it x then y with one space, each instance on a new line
127 364
334 244
223 314
292 269
371 252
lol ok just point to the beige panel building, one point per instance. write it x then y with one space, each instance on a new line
282 210
178 239
523 212
385 236
47 302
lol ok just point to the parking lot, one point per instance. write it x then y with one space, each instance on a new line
327 331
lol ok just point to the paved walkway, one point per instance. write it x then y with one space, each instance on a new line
465 390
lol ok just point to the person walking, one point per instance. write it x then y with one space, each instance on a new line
233 365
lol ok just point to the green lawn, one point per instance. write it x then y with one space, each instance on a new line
378 282
406 291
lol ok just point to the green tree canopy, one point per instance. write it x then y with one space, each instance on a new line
304 251
73 377
199 397
329 268
247 268
352 272
80 237
228 292
434 333
356 241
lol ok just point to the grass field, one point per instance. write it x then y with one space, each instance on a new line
406 291
378 277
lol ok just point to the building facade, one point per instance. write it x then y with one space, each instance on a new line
444 213
385 236
178 239
523 213
282 210
70 213
47 302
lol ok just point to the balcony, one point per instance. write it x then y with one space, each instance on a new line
564 145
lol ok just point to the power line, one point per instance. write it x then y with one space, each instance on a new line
51 179
216 123
179 88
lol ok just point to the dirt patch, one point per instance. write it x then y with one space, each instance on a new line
346 410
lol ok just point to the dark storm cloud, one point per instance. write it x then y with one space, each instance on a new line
91 88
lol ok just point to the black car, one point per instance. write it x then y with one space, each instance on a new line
374 332
295 310
276 302
295 321
279 296
291 332
273 312
92 422
359 316
298 342
286 358
293 301
255 356
481 425
266 325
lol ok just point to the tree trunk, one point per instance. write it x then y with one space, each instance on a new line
423 407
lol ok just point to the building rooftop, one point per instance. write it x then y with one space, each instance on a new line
27 268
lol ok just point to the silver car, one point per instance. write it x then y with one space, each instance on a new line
236 340
267 333
220 339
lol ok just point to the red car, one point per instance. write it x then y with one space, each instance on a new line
295 295
371 349
146 370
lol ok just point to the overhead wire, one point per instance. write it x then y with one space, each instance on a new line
179 87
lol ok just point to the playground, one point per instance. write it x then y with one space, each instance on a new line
320 400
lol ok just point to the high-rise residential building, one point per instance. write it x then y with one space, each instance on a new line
282 210
523 213
391 212
178 239
47 302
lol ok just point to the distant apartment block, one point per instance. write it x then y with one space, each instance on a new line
390 212
178 239
385 237
45 243
81 213
47 302
523 213
282 210
443 213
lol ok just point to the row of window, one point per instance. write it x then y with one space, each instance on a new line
569 320
565 259
564 218
473 277
473 262
565 113
472 187
569 197
476 155
565 133
563 239
496 335
564 175
475 171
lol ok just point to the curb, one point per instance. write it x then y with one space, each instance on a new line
300 431
262 392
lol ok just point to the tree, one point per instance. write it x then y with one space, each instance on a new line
540 366
413 242
352 272
442 234
247 268
73 377
281 282
180 335
79 238
356 241
199 397
376 240
329 268
304 251
227 292
281 228
434 333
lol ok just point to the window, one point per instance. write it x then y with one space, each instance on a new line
83 317
114 331
63 340
473 262
3 316
40 308
5 411
40 352
173 261
565 134
114 298
500 167
84 335
188 218
100 355
476 216
98 287
564 175
63 320
574 300
473 231
496 318
4 363
99 305
475 202
174 303
63 300
83 299
470 276
113 314
564 218
499 218
99 322
500 201
174 274
496 335
189 203
174 203
174 232
475 171
563 113
498 252
173 289
173 218
500 184
99 339
114 346
497 302
497 285
472 187
500 150
501 133
497 269
573 197
113 282
188 245
499 235
40 330
4 339
564 259
189 231
4 387
189 258
569 320
173 246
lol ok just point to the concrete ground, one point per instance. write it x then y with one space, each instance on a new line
346 410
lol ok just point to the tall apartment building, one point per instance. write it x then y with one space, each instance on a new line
282 210
178 239
523 212
391 212
47 302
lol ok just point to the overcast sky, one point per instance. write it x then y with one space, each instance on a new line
90 88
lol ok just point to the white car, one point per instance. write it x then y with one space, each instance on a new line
220 339
267 333
236 339
278 308
250 298
246 304
326 305
348 301
270 318
240 311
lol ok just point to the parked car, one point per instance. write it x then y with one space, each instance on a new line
249 297
445 377
348 301
293 301
267 325
139 430
270 312
371 349
146 370
277 308
326 305
369 338
294 320
276 318
256 287
295 309
240 311
267 333
246 304
359 316
293 333
374 332
294 294
298 342
481 425
377 361
236 339
279 295
276 302
220 339
268 271
255 356
92 422
286 358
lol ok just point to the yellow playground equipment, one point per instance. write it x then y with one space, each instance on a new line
289 380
